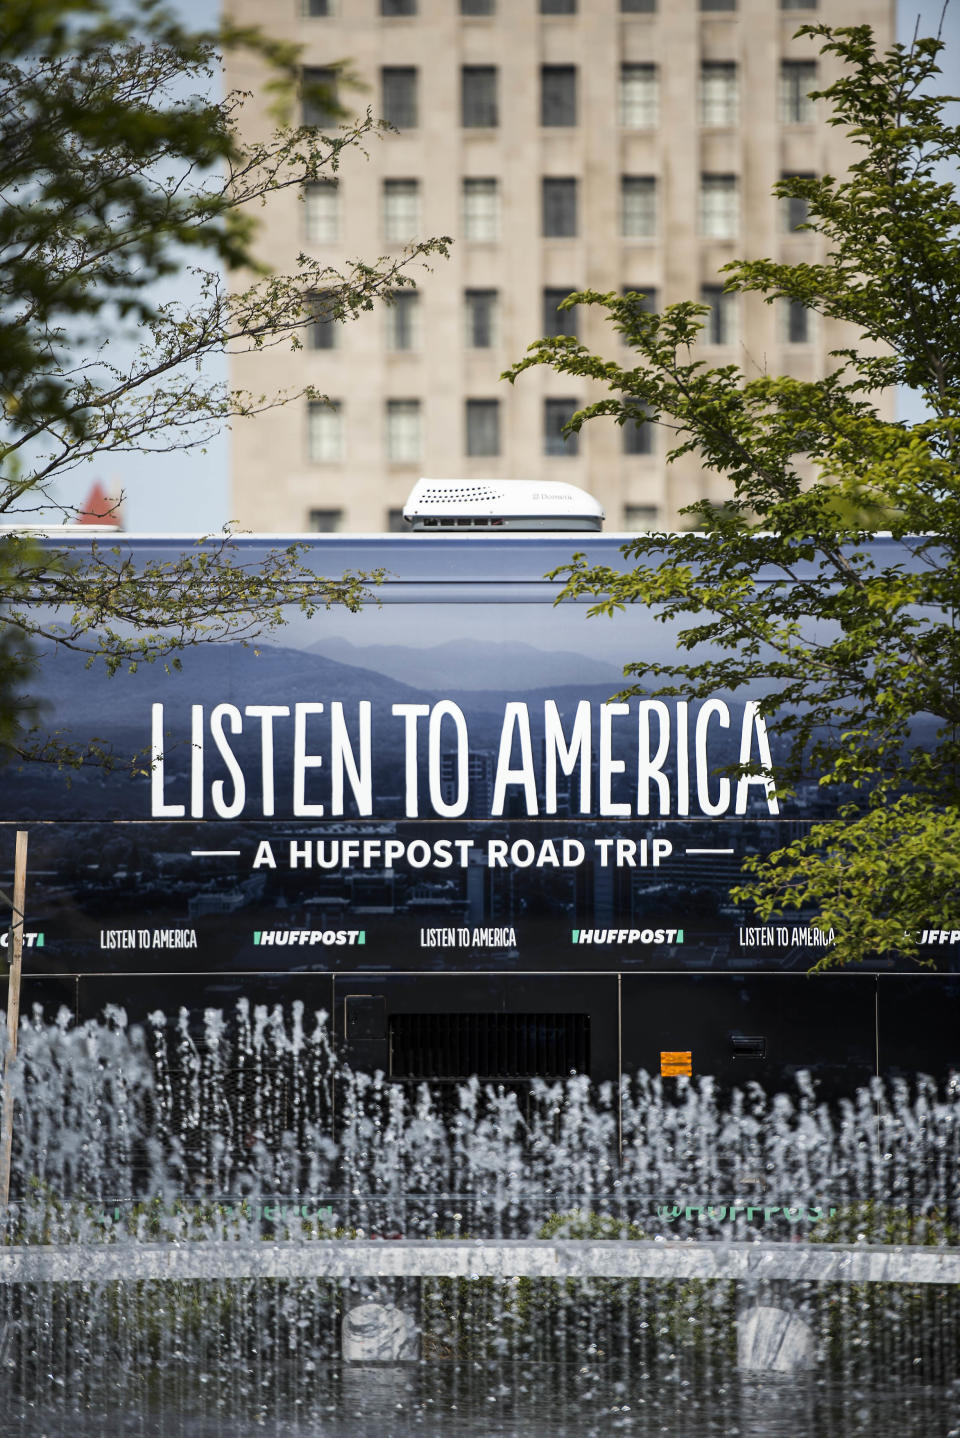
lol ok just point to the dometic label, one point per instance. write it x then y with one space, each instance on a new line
628 936
329 938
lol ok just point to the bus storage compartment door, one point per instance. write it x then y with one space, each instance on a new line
767 1027
365 1032
917 1024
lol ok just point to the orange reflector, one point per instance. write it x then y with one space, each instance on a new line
676 1065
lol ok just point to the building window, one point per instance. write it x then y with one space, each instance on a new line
638 206
403 431
322 323
396 524
481 210
719 93
555 320
558 7
640 517
797 79
556 413
649 297
794 211
796 322
398 7
638 97
476 7
478 97
719 207
324 432
324 521
720 325
638 7
638 437
483 428
798 4
403 321
321 206
401 210
317 9
558 94
481 319
718 4
318 96
559 207
398 96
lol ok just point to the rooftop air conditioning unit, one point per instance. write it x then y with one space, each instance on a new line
498 504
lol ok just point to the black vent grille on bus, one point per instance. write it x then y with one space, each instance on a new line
457 1046
477 493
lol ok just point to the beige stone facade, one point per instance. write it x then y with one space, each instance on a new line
673 120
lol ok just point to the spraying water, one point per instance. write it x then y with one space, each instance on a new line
243 1129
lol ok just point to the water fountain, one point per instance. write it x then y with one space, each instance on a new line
228 1233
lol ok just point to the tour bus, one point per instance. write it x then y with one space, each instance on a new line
433 819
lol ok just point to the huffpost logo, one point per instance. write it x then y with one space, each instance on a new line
328 938
627 936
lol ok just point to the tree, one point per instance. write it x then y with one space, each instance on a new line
851 654
117 170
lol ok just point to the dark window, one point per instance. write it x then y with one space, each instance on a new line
797 323
483 427
718 4
398 7
720 323
638 7
322 328
324 521
398 92
797 79
318 96
558 7
637 438
478 97
317 8
559 207
555 320
476 7
556 413
794 211
558 94
488 1046
481 308
640 516
798 4
403 321
650 301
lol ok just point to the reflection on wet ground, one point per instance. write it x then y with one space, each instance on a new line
393 1401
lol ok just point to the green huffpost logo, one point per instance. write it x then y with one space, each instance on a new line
325 938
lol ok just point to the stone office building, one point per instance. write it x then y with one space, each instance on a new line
611 144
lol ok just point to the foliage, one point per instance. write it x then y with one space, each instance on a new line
118 171
850 645
916 1325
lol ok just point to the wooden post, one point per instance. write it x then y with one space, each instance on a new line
13 1006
